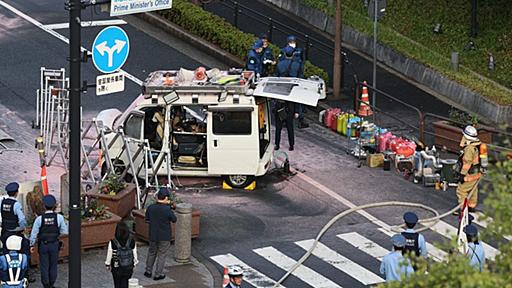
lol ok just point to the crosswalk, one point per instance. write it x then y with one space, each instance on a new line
350 265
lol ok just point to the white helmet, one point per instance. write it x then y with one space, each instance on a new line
235 271
470 133
13 243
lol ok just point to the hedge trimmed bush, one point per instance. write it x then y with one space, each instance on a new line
407 27
218 31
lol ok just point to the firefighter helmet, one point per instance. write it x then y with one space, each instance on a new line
235 271
470 133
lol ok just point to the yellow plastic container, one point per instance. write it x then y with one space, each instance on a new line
339 122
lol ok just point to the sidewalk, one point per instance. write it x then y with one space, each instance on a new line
94 274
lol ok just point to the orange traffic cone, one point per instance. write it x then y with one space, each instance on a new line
225 281
364 108
44 182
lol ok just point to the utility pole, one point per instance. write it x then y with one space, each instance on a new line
75 11
337 77
473 31
375 18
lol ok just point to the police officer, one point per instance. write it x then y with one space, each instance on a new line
12 213
13 264
475 251
255 58
236 275
292 65
46 230
392 265
415 242
469 163
268 58
284 113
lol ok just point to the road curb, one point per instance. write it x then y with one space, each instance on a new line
200 43
217 277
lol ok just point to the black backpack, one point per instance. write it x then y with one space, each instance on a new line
123 255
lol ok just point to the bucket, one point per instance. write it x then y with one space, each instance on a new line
448 171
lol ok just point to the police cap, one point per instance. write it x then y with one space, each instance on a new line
410 218
163 192
257 44
49 201
291 38
471 230
398 240
12 187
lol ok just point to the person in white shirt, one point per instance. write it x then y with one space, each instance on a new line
121 256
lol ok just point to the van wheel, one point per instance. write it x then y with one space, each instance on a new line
239 181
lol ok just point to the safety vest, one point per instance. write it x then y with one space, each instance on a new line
9 218
16 273
49 231
411 242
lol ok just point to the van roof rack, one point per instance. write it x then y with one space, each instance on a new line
236 81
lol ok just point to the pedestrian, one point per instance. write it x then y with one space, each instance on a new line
414 241
284 113
255 58
394 264
12 214
469 165
159 216
292 65
475 253
14 264
236 276
46 231
121 256
268 58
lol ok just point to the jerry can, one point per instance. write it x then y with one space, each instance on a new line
339 122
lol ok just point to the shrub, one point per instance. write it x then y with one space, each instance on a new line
218 31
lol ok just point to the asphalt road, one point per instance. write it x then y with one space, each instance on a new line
257 227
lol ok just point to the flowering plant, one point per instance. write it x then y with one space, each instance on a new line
112 185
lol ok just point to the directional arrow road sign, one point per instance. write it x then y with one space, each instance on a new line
110 49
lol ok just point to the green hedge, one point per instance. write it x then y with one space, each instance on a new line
407 27
218 31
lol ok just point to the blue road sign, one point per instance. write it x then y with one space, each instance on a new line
110 49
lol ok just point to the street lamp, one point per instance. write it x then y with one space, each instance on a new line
376 11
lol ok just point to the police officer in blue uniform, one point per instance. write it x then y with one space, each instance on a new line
12 213
14 264
268 58
255 58
291 53
415 242
475 253
394 265
46 230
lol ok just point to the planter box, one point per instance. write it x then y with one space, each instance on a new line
142 228
63 253
120 204
447 135
98 233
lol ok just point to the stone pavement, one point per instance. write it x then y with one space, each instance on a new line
94 274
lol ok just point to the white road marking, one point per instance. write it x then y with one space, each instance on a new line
302 272
437 254
364 244
484 222
341 263
449 231
251 276
57 35
86 24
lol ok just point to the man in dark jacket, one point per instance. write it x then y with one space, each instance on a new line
159 216
284 113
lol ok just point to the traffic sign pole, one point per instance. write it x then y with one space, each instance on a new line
75 11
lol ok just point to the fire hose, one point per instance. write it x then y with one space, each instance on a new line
432 221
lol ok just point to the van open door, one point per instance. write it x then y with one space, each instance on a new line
233 145
303 91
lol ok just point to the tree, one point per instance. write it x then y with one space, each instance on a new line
455 271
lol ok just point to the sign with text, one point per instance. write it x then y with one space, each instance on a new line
125 7
109 83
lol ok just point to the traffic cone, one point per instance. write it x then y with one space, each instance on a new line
225 281
44 182
100 158
364 108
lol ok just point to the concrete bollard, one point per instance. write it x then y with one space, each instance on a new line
455 61
183 239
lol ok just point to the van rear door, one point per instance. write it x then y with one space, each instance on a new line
296 90
233 146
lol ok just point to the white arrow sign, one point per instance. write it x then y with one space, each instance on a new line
103 48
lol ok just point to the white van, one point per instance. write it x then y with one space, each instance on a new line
212 123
